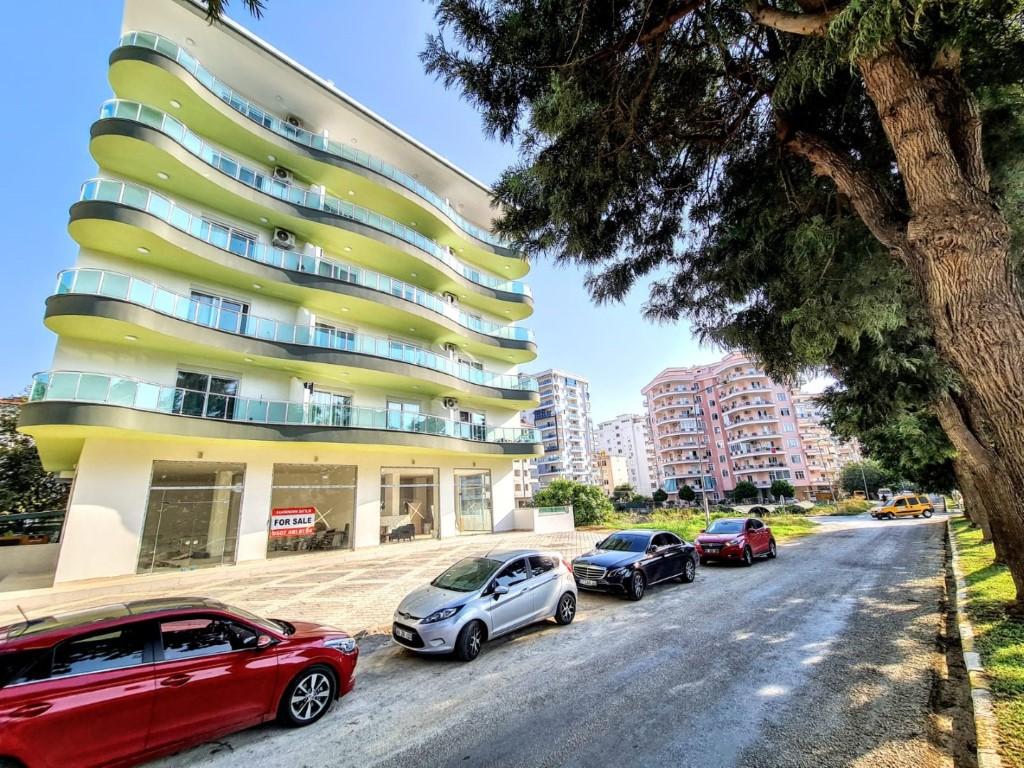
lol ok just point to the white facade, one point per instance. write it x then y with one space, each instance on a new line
629 435
566 428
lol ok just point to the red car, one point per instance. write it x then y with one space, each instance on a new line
124 683
736 538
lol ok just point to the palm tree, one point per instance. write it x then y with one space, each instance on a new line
215 9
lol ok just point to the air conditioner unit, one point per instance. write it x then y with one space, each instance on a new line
450 347
451 298
451 402
294 121
283 238
283 174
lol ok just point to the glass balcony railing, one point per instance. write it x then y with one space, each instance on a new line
291 193
302 136
222 317
145 199
81 387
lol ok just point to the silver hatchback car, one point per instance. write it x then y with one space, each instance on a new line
480 598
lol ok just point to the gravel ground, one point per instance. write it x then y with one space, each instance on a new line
826 656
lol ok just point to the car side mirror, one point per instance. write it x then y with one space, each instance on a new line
703 530
499 590
265 641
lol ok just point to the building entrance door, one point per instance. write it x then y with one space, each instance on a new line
473 501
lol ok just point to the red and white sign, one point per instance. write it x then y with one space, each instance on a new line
292 521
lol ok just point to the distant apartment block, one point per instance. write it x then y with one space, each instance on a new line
629 435
716 425
524 472
566 430
612 471
826 454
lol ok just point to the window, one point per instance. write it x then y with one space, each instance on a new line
780 396
474 425
201 394
198 636
218 312
784 411
788 428
755 525
99 651
714 417
512 574
718 430
228 237
325 335
328 491
721 458
711 402
541 564
403 415
799 474
792 442
725 473
795 458
718 443
900 503
23 666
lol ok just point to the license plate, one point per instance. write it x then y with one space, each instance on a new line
712 549
403 633
588 582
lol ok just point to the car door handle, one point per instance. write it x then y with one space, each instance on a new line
175 681
31 710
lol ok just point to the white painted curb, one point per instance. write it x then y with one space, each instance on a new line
985 729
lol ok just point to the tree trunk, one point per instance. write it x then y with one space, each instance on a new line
957 247
974 500
1002 505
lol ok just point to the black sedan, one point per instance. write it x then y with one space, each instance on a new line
627 562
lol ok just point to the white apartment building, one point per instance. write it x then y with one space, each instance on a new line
289 328
563 419
612 471
629 435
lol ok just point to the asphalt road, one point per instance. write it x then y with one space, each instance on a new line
826 656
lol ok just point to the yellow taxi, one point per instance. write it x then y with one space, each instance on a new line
903 505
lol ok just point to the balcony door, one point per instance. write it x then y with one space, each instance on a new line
404 415
473 425
219 312
330 408
205 395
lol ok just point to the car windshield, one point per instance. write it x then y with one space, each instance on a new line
269 624
726 526
467 575
625 542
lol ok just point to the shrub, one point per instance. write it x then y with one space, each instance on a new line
589 504
852 507
744 490
792 509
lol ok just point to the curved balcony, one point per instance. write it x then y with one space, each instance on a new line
733 423
134 222
65 404
724 396
751 436
757 450
120 306
742 376
758 403
144 67
185 167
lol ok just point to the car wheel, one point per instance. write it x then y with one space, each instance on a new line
773 551
308 697
637 585
566 610
689 571
748 557
926 514
469 641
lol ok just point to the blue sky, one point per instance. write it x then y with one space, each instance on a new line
55 74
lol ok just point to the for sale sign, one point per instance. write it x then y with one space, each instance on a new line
292 521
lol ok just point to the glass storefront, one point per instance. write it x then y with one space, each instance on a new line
192 515
408 503
312 508
473 500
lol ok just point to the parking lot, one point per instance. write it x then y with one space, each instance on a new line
824 657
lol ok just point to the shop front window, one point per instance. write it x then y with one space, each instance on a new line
192 515
312 508
473 500
408 500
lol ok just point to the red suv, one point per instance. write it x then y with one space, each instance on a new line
736 538
124 683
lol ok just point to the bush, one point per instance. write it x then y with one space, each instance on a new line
589 504
791 509
745 490
852 507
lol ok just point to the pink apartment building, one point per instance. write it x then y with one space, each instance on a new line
715 425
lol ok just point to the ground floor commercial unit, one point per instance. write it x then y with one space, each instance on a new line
156 505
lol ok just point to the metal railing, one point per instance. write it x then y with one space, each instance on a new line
302 136
307 198
144 199
117 285
107 389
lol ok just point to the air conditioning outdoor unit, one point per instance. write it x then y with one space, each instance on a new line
283 238
283 174
451 402
451 298
450 347
294 121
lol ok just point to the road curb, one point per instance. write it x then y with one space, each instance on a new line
985 728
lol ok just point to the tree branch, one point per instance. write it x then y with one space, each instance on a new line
959 114
805 24
853 183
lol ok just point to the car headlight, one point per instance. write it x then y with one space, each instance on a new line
620 572
444 613
343 644
734 543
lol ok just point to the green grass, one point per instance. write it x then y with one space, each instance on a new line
688 524
845 507
999 639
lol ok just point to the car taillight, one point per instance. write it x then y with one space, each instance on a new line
567 564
